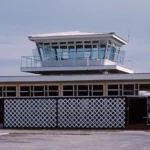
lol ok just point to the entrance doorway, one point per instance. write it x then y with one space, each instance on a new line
1 112
137 112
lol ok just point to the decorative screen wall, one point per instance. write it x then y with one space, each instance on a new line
65 113
30 113
91 113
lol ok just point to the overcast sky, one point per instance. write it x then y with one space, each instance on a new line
20 18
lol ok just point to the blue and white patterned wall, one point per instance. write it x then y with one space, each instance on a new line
65 113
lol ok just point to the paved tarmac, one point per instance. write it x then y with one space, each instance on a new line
76 140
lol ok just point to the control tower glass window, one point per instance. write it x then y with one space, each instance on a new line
94 54
101 52
57 52
64 51
46 51
72 52
79 52
111 52
87 51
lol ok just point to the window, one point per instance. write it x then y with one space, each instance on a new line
144 87
101 53
122 89
80 51
9 91
72 52
87 51
71 42
1 91
46 44
113 90
83 90
78 42
68 90
95 52
25 91
47 53
95 42
53 90
87 42
136 89
59 53
62 42
54 43
38 91
111 52
56 52
128 89
97 90
64 52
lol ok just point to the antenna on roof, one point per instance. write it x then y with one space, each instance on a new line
128 35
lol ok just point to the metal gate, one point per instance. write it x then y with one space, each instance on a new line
137 110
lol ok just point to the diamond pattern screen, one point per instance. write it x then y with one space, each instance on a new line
65 113
91 113
30 113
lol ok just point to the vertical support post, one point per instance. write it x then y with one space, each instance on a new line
43 51
87 61
61 90
105 89
17 91
106 50
74 61
59 61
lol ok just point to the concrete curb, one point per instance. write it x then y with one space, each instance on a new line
4 134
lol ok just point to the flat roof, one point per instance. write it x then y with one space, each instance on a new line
76 78
75 34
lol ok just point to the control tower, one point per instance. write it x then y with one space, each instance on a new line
77 52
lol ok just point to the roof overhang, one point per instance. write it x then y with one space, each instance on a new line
51 37
77 78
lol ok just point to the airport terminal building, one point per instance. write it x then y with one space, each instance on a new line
82 80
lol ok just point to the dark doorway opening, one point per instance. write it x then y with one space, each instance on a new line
148 110
137 112
1 112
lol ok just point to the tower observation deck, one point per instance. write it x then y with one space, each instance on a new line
77 52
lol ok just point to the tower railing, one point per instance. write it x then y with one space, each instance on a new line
75 61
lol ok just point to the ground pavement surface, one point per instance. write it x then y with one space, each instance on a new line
75 140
